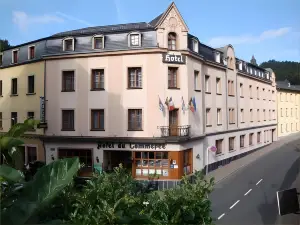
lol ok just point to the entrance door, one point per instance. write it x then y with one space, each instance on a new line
173 122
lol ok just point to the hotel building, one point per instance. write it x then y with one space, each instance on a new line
288 101
151 96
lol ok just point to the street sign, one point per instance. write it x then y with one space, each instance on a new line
287 201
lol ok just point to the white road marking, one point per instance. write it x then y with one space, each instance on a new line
248 192
221 216
234 204
259 181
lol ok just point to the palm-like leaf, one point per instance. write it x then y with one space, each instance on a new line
10 174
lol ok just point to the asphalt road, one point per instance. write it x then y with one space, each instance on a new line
249 195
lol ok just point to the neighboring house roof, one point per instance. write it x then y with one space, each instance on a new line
154 22
286 85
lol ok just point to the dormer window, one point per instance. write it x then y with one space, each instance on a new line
240 65
217 56
172 41
31 52
225 60
195 45
250 70
135 40
68 44
267 75
15 56
98 42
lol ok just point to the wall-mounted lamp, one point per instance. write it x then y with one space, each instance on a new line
97 159
197 156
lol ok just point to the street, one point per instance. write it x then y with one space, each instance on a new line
249 195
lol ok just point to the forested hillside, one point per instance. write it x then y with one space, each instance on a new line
284 70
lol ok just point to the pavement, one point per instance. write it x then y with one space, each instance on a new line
245 190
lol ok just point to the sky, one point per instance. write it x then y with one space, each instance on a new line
267 29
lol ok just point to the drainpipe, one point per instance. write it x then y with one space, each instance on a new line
237 99
45 101
226 98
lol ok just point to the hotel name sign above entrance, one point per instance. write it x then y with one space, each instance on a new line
174 59
111 145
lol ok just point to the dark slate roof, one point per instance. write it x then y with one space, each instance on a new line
155 20
106 29
286 85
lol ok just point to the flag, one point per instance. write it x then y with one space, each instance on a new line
191 105
183 105
171 104
161 105
194 103
167 102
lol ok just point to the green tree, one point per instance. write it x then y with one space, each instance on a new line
4 44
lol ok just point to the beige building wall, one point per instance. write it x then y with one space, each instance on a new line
288 112
22 103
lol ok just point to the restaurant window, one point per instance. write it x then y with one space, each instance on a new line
135 39
68 84
97 79
31 52
187 161
14 86
68 120
15 56
231 143
30 88
135 77
251 139
147 163
172 77
219 145
68 44
135 119
172 41
84 155
258 137
1 124
207 84
242 141
197 81
98 42
97 119
14 118
219 85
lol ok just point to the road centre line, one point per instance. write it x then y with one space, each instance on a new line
221 216
259 181
248 192
234 204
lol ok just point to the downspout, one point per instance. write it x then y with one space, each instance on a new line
237 99
226 98
45 67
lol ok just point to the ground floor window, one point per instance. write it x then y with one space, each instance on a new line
147 163
29 153
187 161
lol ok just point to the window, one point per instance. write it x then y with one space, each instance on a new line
230 88
281 112
207 84
98 42
219 85
135 77
208 117
291 112
274 114
30 115
1 91
196 81
242 141
84 155
251 115
135 39
68 44
258 137
257 92
242 116
219 144
97 119
15 56
68 120
1 124
231 143
172 41
264 95
97 79
251 139
264 115
195 45
258 116
250 91
292 127
286 112
241 90
231 116
219 116
270 114
296 110
135 119
68 81
151 163
187 161
30 87
29 153
1 59
14 86
14 118
172 77
31 52
281 126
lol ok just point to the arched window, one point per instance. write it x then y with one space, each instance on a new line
172 41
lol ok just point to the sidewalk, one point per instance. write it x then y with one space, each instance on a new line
224 171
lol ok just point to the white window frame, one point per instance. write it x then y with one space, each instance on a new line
12 55
129 39
195 45
93 40
28 50
73 43
25 152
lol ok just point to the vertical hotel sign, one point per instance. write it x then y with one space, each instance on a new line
43 123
